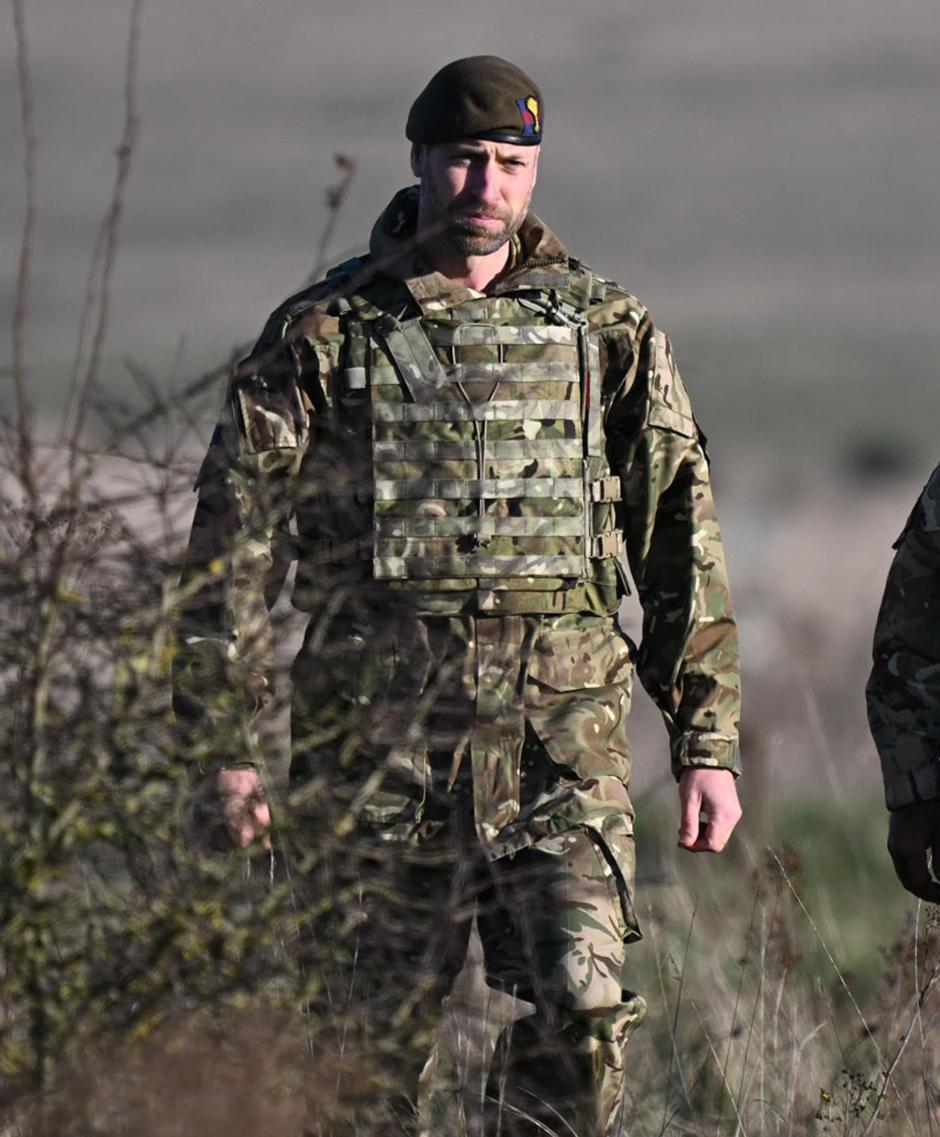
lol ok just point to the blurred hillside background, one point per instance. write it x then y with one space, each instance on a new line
763 175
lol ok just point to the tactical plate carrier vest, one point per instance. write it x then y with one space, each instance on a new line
491 487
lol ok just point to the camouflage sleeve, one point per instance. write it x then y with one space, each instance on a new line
237 559
688 656
903 690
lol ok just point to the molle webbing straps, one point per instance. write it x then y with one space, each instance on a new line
460 489
420 450
464 565
465 525
488 450
479 334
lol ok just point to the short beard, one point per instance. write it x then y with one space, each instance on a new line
460 232
471 242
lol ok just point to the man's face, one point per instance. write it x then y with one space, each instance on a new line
474 193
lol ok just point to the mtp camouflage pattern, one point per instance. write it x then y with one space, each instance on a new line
553 932
904 687
458 475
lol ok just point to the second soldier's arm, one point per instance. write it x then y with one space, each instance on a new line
903 696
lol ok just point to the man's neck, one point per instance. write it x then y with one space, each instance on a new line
477 273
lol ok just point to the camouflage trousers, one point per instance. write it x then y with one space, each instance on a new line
453 771
552 928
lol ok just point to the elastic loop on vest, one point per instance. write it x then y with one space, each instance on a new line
608 544
606 489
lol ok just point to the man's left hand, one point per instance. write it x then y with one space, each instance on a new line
708 799
914 845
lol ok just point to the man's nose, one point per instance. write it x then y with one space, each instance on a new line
485 182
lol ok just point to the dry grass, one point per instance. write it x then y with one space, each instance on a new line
765 1019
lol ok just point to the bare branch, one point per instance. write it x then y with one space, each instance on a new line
98 290
23 409
335 197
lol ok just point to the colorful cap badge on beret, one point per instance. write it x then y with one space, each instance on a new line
481 96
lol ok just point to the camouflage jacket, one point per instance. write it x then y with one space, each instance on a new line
904 687
289 452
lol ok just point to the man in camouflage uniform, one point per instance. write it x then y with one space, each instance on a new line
904 697
468 428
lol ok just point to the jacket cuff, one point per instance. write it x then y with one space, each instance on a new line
910 786
706 749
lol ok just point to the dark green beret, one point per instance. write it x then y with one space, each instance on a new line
481 96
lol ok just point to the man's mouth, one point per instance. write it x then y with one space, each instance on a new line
485 219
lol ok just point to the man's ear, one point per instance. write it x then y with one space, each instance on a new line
418 152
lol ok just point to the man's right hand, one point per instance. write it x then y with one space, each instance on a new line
246 815
914 830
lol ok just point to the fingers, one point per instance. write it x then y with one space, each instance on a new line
691 829
245 810
912 872
716 832
712 836
247 820
710 809
913 831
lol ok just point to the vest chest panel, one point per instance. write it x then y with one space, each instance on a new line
487 449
